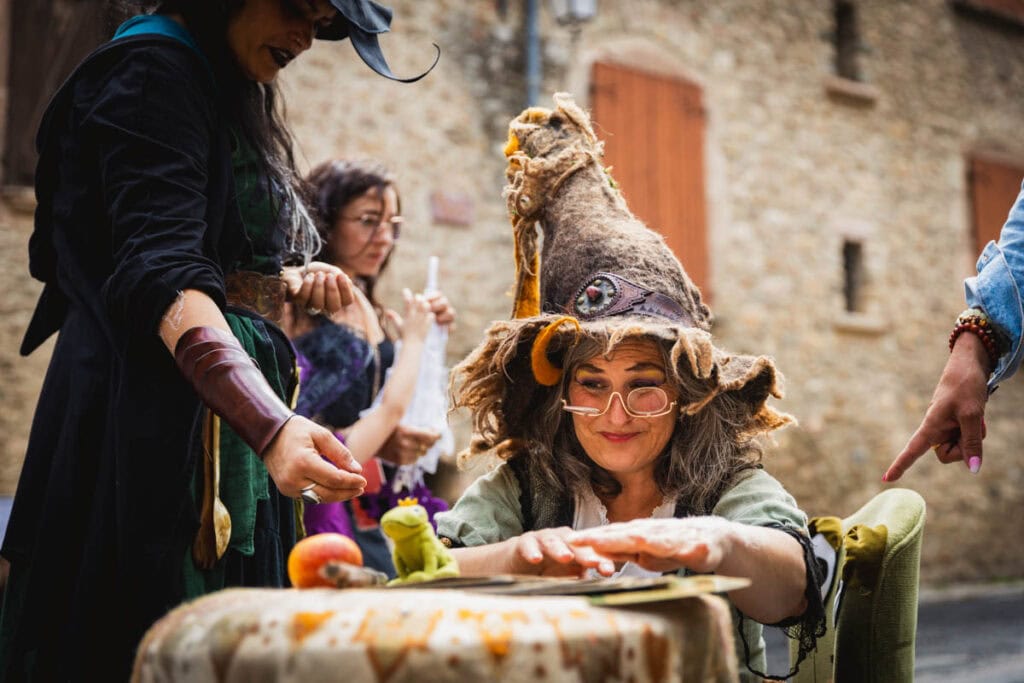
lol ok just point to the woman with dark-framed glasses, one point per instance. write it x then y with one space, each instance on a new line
345 356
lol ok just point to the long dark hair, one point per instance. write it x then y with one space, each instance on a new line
256 108
332 185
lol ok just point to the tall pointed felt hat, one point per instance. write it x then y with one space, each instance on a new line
601 272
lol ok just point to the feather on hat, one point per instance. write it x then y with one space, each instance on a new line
601 272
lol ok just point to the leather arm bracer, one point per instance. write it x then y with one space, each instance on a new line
231 385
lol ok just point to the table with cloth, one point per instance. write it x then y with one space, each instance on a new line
421 635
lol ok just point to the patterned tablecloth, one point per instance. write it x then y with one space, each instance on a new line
427 635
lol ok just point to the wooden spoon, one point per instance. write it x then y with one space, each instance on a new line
214 520
221 517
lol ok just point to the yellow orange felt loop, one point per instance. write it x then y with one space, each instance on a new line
527 260
543 370
512 146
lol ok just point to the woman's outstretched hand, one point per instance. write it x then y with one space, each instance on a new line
318 287
954 425
294 462
697 543
546 552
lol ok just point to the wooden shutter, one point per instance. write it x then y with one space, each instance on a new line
994 186
653 128
48 39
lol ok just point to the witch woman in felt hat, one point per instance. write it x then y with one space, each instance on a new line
627 439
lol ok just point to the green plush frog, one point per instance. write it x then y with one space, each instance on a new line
418 555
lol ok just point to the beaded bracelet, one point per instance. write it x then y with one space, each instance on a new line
975 321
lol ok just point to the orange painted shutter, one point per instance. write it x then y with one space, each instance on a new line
994 186
653 128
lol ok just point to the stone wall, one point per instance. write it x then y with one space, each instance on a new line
796 162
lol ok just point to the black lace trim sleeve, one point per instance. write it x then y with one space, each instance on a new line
807 627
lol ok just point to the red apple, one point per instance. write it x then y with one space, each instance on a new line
310 561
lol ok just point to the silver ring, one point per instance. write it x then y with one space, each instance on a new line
311 496
314 311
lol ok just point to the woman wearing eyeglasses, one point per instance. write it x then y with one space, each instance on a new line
627 440
345 356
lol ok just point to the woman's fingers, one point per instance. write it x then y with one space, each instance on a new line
657 544
300 297
396 321
294 461
337 292
556 548
588 557
334 469
529 549
606 540
972 431
292 276
915 448
327 444
444 313
316 301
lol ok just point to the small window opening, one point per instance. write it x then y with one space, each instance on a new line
847 41
853 276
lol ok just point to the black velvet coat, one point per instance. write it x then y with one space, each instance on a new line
136 203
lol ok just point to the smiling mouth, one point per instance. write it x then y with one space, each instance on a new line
281 56
618 438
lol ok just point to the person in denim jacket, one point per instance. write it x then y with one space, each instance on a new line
954 425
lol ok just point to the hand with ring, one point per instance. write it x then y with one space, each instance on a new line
318 287
304 452
310 496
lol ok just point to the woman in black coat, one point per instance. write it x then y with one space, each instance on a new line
168 236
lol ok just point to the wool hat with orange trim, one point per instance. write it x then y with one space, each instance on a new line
601 272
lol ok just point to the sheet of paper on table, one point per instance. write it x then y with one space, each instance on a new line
599 591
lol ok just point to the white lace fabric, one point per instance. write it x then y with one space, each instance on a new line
591 512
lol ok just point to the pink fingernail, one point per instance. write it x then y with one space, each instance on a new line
974 464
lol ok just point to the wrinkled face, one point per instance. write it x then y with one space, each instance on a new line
617 441
265 35
365 232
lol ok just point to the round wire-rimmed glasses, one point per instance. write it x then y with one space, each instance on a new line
371 224
639 402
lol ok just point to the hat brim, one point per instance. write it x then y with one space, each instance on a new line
361 21
500 369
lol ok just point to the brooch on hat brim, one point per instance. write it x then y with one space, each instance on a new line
603 295
608 294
